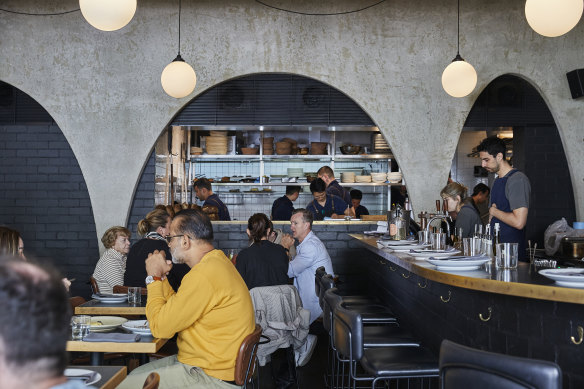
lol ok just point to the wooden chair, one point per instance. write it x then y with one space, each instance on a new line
245 362
76 301
152 381
94 287
124 289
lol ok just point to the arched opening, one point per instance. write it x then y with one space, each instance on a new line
278 107
511 108
43 194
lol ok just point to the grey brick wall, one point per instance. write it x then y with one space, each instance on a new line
43 195
143 197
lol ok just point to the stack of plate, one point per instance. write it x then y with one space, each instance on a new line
394 177
348 177
378 177
362 179
295 172
268 145
216 143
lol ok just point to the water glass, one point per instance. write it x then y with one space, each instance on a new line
439 241
424 237
80 325
472 246
507 254
134 295
507 275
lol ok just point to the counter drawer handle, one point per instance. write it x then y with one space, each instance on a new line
382 262
487 318
408 276
425 284
392 268
448 299
580 336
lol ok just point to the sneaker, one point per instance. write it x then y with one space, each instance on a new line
304 352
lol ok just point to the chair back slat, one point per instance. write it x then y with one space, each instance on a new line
245 361
348 332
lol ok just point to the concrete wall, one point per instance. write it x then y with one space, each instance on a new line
103 89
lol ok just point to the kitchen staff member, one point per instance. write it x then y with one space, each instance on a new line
326 205
204 193
333 187
509 194
282 208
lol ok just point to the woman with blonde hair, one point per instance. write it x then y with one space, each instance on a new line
456 201
154 229
110 268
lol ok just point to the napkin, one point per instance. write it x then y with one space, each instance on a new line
462 258
112 337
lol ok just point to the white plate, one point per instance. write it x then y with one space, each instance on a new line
106 323
137 327
112 299
572 278
77 372
425 253
462 265
407 248
397 242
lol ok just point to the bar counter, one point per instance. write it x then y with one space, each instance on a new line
522 282
527 316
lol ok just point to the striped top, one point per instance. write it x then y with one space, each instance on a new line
110 270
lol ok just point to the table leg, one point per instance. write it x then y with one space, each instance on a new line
96 359
144 359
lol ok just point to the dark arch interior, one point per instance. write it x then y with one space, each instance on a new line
511 106
43 194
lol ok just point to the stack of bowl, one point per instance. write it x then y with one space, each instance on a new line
283 148
216 143
348 177
268 145
250 150
394 177
318 148
362 179
378 177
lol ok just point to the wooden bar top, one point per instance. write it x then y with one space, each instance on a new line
522 282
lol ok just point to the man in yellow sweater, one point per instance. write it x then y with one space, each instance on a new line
212 310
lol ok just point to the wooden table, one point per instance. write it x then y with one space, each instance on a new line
146 345
96 307
111 376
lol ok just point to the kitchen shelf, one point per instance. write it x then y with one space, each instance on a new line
301 184
283 157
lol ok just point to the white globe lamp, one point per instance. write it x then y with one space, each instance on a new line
459 78
553 18
108 15
178 78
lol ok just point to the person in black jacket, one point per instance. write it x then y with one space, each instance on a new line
154 228
282 208
263 263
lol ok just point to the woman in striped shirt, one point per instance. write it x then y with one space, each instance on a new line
111 267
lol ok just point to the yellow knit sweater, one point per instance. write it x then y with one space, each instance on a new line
211 312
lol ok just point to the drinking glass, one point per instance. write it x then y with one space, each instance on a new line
507 254
80 325
424 237
134 295
472 246
439 241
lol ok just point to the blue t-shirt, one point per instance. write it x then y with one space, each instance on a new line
333 204
282 209
215 201
335 189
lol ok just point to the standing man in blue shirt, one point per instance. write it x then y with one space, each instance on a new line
282 208
333 187
326 205
509 195
204 192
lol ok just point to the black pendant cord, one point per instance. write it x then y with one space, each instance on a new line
457 31
179 12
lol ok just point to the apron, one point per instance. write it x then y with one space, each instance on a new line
507 234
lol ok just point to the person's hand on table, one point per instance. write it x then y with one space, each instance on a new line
157 265
287 241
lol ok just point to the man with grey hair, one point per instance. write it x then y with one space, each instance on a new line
34 327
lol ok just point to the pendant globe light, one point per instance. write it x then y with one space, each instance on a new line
459 78
178 77
108 15
553 18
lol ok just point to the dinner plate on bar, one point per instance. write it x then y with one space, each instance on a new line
427 253
407 248
458 264
106 323
138 327
88 377
571 277
387 242
111 298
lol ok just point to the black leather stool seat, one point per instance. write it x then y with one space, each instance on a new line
372 313
398 362
388 336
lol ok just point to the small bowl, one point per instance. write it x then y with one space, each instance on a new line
350 149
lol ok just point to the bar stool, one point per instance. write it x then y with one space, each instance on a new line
462 366
379 363
374 335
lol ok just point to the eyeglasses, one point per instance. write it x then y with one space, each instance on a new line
169 237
